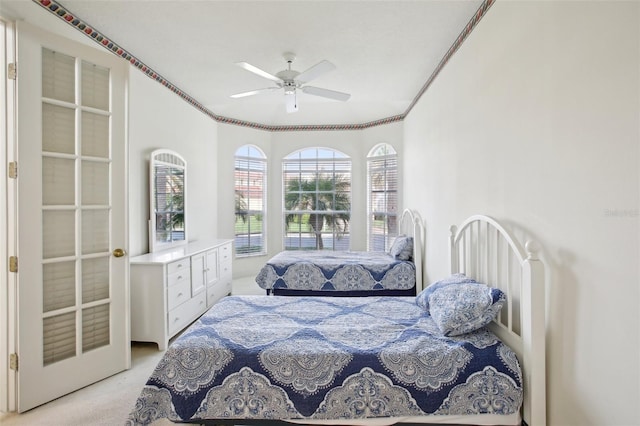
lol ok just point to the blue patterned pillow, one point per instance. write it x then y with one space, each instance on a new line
402 248
463 308
422 299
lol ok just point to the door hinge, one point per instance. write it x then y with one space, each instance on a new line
13 361
13 264
13 170
12 71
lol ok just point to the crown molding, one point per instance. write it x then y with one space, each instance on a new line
61 12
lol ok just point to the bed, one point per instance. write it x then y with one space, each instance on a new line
261 360
351 273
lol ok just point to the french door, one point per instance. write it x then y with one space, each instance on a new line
72 269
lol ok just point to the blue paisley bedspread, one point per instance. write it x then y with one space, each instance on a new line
270 357
336 270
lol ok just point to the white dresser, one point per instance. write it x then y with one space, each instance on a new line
170 289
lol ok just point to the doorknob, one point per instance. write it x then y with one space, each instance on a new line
119 252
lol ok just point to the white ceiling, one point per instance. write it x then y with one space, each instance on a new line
384 51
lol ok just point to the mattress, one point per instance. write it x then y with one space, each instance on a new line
331 360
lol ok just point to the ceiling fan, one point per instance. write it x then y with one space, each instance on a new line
292 81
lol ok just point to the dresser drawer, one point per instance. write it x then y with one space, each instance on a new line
178 265
179 276
186 313
225 262
217 292
225 271
178 294
225 253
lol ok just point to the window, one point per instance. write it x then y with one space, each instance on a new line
250 201
317 200
382 208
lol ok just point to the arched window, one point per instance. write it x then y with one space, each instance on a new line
250 197
382 205
317 199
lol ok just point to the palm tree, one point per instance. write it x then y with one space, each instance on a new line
327 200
241 206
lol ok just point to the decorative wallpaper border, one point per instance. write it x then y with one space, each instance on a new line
482 10
57 9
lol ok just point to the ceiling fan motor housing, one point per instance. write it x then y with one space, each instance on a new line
288 81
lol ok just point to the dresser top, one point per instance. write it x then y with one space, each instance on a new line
177 253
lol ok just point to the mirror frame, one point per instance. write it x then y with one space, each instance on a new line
165 158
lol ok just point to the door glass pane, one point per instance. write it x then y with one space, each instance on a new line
95 135
58 234
95 86
95 279
95 327
59 337
95 183
95 231
58 129
76 199
59 285
58 76
58 181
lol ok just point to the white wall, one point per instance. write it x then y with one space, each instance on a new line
277 145
160 119
535 121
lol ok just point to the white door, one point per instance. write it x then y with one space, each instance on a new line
72 278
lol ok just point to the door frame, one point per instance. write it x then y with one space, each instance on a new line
8 378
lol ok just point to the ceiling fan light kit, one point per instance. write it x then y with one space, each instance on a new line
291 80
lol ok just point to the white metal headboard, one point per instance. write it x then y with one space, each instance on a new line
482 249
411 225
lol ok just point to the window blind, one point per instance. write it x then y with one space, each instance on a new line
317 200
76 210
250 201
382 174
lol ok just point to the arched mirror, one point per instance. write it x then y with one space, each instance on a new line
168 178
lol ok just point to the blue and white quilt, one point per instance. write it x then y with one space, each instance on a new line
270 357
336 271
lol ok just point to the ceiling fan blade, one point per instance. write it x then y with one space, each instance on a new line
247 66
326 93
315 71
291 102
254 92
